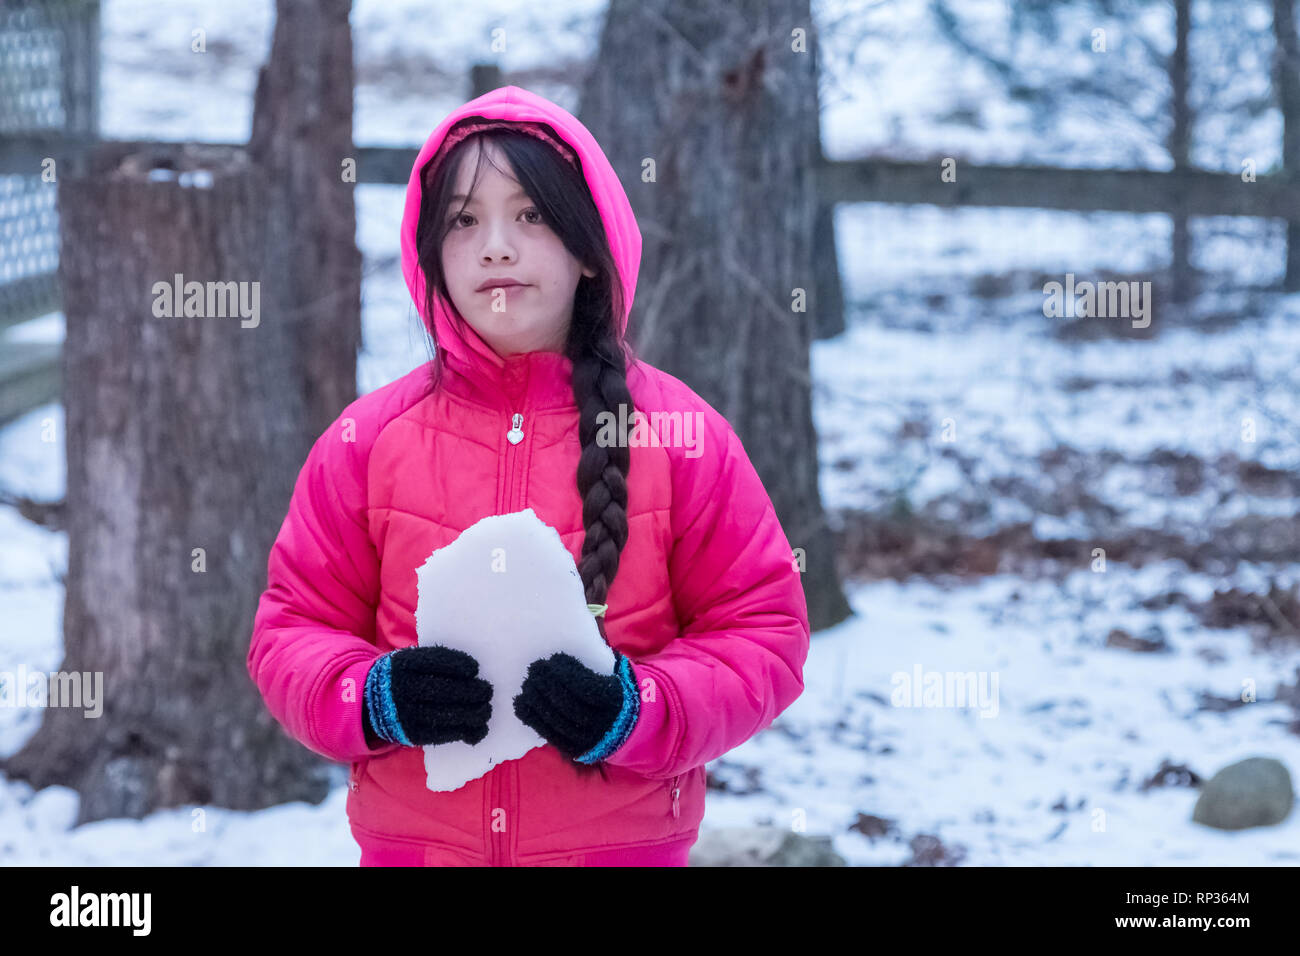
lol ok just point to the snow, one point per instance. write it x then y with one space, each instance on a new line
507 593
1056 777
1002 387
1076 721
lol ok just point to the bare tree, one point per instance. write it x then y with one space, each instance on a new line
1182 278
726 108
1202 79
1286 70
184 432
302 138
212 306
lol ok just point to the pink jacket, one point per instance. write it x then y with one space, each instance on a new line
708 603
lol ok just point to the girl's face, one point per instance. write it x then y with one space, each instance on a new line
501 235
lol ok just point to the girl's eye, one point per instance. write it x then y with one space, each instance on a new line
533 210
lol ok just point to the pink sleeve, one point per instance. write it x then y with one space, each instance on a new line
313 633
738 661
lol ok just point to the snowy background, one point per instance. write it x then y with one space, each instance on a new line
1064 440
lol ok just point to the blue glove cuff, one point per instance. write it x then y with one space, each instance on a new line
379 702
627 717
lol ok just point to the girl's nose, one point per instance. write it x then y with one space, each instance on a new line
496 245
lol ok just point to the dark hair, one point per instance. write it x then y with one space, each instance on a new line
600 356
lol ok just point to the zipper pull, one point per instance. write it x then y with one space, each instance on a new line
516 434
676 792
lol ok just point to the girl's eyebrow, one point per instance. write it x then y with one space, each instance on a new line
517 194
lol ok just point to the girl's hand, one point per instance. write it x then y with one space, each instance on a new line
583 714
418 696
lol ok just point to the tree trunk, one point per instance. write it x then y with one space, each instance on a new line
828 291
728 112
1182 278
302 136
184 435
1286 79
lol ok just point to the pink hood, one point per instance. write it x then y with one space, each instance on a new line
466 350
708 603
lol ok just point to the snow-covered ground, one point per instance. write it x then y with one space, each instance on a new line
1049 771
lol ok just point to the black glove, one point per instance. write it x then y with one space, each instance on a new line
585 715
426 695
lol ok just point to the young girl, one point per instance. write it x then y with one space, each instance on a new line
521 252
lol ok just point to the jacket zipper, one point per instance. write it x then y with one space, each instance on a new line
515 435
501 854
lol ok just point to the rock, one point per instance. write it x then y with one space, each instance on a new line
1151 641
928 850
873 827
762 846
1171 775
1255 792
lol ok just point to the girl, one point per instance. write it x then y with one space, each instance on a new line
521 252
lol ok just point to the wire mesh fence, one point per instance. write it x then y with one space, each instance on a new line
49 70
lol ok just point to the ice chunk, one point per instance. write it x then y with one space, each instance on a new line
507 592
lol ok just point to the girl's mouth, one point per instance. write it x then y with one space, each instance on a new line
511 291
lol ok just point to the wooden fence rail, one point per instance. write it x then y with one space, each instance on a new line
1193 192
30 378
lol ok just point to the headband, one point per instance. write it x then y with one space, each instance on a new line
468 128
